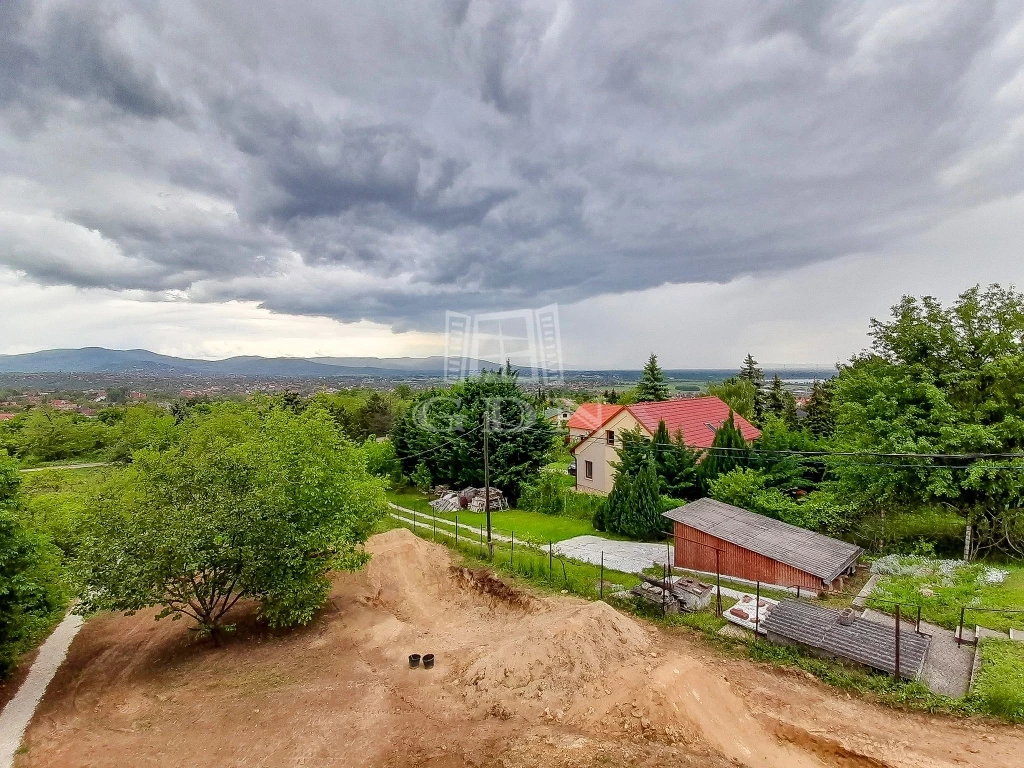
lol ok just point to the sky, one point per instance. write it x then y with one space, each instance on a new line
313 178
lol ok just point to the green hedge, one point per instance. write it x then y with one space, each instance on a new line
553 494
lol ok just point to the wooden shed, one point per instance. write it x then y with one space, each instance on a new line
710 535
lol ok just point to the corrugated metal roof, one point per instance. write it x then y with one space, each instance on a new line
863 641
811 552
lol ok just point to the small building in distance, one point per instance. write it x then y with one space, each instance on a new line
710 536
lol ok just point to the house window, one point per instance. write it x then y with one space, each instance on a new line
588 468
610 436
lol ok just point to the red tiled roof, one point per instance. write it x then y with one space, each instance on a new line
6 416
590 416
697 417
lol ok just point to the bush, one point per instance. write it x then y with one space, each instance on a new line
999 687
548 493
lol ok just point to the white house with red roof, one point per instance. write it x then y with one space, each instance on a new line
596 431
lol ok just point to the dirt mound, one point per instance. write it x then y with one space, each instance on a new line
555 655
484 582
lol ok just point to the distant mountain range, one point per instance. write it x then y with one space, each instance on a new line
142 361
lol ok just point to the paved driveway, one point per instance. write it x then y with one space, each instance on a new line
625 556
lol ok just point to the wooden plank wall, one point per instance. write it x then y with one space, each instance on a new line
695 550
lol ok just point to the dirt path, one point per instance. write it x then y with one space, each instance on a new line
520 682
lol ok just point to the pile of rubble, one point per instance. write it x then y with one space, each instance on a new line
471 499
676 593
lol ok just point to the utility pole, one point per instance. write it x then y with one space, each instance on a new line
487 480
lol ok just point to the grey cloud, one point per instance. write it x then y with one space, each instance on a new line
362 161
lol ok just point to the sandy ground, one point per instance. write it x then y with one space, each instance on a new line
520 681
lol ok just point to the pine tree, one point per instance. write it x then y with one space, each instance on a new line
749 371
618 502
819 410
731 453
677 465
781 402
641 517
652 387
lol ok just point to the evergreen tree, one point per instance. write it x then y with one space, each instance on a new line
676 464
641 515
750 372
728 450
819 410
651 387
781 402
618 502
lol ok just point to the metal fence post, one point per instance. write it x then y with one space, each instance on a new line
414 519
551 550
718 577
512 547
757 609
481 538
433 530
896 671
960 628
602 574
456 531
918 627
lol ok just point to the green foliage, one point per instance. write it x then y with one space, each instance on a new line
819 420
778 459
676 464
939 380
652 386
550 493
49 435
748 489
365 413
246 503
381 459
443 429
999 685
728 451
421 477
753 375
738 394
781 403
31 592
641 517
140 427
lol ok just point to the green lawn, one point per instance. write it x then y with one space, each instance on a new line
535 527
943 607
999 686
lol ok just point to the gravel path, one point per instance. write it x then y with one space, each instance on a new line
947 668
625 556
19 710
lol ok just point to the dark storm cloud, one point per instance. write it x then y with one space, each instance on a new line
385 162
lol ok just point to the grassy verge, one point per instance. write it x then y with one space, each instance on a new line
535 527
940 603
999 686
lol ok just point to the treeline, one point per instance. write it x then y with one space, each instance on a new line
44 434
915 444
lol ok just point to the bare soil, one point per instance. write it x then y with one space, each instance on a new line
520 681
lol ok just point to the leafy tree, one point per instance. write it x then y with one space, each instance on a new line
748 489
144 426
30 591
421 477
819 418
49 435
940 380
245 504
728 450
738 394
375 417
652 386
444 430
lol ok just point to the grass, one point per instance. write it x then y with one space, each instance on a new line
943 608
535 527
999 687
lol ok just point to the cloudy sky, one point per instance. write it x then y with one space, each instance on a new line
695 179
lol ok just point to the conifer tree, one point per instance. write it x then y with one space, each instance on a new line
728 451
652 387
819 410
641 515
750 372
